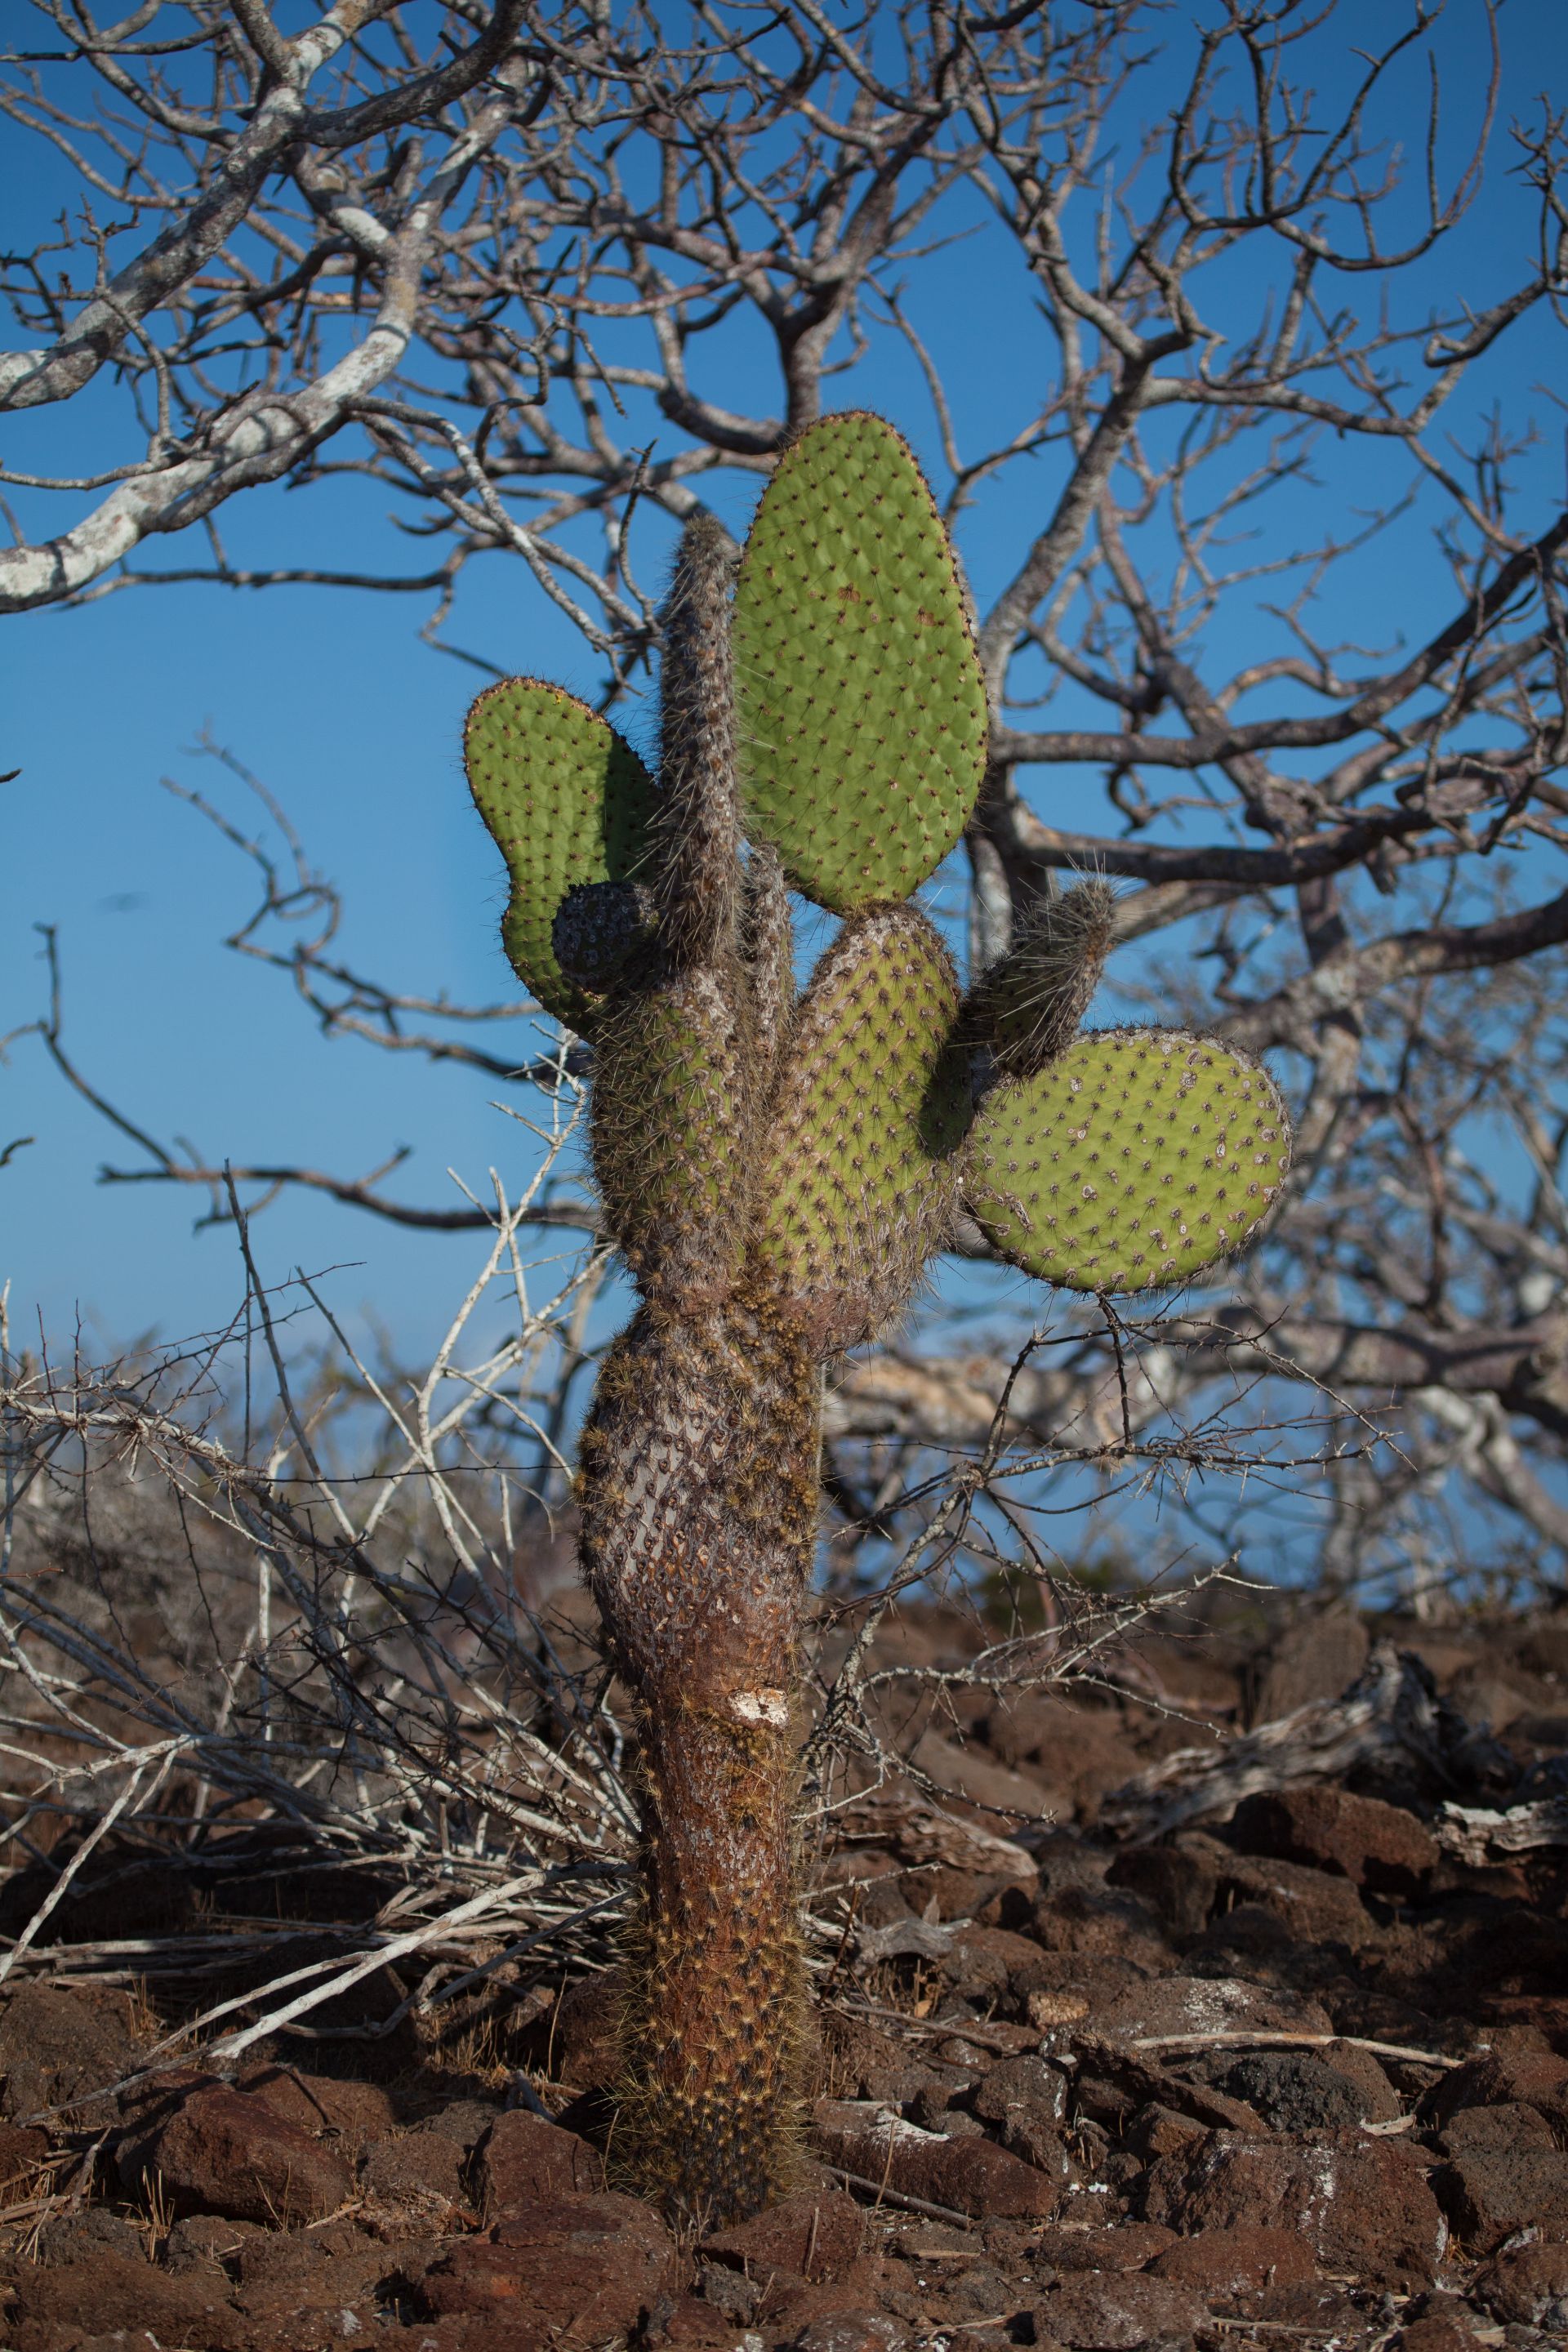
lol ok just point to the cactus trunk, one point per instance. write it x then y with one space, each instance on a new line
699 1497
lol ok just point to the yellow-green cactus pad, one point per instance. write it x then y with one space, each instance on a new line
668 1121
862 712
872 1104
1138 1158
567 802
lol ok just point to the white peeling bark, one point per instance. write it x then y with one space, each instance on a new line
262 436
252 445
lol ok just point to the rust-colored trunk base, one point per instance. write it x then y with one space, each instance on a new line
699 1495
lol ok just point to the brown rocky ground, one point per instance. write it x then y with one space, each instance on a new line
1165 2069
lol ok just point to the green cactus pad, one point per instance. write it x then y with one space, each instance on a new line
669 1126
567 802
862 707
1137 1159
872 1104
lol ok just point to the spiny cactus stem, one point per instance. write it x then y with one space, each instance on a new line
698 1494
768 946
717 1990
697 881
1028 1008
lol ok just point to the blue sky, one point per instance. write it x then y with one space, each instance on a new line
333 701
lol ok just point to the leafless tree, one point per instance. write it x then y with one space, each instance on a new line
548 278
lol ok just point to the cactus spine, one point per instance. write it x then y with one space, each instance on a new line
778 1174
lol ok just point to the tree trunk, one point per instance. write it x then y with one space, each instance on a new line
699 1497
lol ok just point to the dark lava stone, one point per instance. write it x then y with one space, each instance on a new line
1292 2090
76 2237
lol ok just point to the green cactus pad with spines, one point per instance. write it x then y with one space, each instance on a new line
670 1121
861 706
1137 1159
871 1106
567 802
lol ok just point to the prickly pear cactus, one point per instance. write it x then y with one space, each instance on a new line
778 1169
862 709
869 1111
1133 1161
569 805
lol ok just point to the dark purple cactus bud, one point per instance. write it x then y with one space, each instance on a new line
599 927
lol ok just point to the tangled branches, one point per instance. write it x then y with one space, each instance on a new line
224 1654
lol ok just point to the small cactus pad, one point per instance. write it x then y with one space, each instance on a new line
1027 1008
862 707
668 1125
872 1104
567 802
1137 1159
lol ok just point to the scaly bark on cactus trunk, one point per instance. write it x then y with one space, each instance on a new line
698 1494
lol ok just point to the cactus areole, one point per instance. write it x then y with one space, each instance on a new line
777 1168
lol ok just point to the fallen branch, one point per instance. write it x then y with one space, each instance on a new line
885 2196
1392 1710
1241 2038
1474 1835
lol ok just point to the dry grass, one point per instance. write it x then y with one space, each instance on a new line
238 1677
